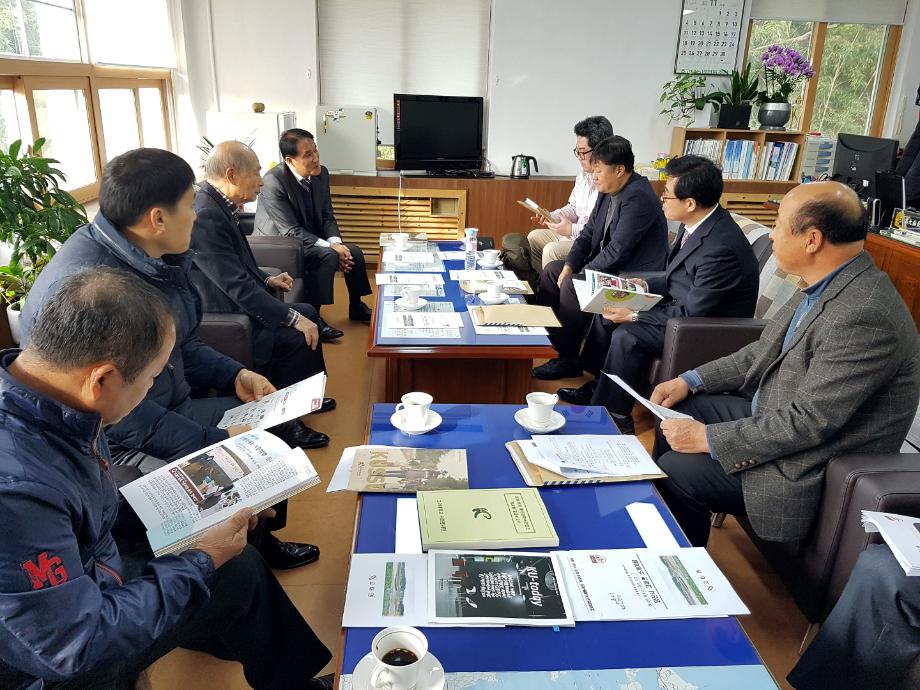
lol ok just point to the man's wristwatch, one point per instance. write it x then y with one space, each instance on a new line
635 317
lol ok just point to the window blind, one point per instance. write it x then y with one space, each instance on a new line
371 49
841 11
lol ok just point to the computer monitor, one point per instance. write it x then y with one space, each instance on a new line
857 159
437 133
891 193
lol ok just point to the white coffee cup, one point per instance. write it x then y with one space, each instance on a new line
415 408
388 676
411 293
493 290
490 256
401 240
540 407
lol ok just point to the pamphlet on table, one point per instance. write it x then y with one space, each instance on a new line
659 411
388 239
901 533
482 275
397 256
509 287
485 519
426 290
600 290
179 501
409 279
422 320
386 589
533 315
587 456
407 470
647 584
295 401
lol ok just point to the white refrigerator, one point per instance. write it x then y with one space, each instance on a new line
347 138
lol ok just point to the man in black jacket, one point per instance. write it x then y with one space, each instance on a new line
286 336
711 271
296 202
627 231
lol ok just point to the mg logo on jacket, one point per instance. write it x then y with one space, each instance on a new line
45 571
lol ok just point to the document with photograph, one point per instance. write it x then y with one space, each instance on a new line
647 584
587 455
494 587
295 401
600 290
386 589
426 290
423 320
901 533
409 279
509 287
178 502
389 469
659 411
481 275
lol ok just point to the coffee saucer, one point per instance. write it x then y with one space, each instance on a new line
430 673
556 422
399 421
484 264
402 303
485 299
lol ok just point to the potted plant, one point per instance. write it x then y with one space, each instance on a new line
36 216
735 112
783 70
686 102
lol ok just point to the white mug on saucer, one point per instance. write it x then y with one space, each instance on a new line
490 256
415 409
540 407
401 240
493 290
398 652
411 293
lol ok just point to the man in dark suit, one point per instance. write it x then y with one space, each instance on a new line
286 337
295 202
711 271
836 371
627 231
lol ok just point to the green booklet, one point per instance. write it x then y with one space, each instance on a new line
484 519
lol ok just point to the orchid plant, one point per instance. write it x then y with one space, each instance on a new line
783 70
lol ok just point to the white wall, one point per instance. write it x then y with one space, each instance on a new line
901 118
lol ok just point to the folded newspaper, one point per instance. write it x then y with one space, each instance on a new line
599 290
178 502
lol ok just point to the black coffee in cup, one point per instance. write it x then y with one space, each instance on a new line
399 657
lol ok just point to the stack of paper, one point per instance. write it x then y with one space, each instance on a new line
589 456
409 279
415 261
296 400
509 287
901 533
422 320
531 315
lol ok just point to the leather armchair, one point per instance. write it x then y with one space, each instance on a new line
285 255
229 334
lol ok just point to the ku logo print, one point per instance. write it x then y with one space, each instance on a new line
482 512
45 571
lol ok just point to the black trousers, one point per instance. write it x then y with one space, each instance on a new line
626 350
289 359
697 485
567 340
872 637
321 263
247 618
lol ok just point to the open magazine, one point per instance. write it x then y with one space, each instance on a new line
599 290
178 502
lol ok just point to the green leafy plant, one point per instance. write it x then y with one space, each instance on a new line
36 215
742 88
682 95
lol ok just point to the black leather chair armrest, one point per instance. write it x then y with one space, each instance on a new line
692 341
229 334
297 293
283 252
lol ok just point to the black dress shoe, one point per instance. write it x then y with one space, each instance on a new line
578 396
327 406
359 311
305 437
284 555
559 368
327 334
624 423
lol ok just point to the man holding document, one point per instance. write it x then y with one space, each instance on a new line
836 371
71 619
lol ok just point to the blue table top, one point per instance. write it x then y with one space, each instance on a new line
590 516
461 301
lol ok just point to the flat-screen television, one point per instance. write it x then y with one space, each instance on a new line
437 133
857 159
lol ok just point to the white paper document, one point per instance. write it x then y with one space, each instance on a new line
408 533
456 255
651 526
409 279
426 290
595 455
901 533
507 330
459 274
647 584
422 320
658 410
294 401
395 256
386 589
421 333
391 306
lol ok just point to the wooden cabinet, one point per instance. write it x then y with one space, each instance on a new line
902 264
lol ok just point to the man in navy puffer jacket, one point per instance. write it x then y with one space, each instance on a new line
67 616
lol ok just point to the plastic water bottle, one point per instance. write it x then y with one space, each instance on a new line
469 247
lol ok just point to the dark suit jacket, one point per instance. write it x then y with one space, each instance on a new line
638 233
848 383
715 274
282 209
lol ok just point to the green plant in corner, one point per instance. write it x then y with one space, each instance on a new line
36 216
743 88
682 95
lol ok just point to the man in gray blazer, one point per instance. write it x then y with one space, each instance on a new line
836 371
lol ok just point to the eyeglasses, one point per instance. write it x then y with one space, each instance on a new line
666 198
581 154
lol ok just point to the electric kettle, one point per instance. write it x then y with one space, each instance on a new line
520 166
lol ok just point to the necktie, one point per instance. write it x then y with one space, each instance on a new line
305 183
683 240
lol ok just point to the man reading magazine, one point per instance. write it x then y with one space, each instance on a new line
71 619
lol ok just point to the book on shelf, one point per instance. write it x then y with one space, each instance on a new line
710 148
406 470
534 207
901 533
178 502
514 315
484 519
599 290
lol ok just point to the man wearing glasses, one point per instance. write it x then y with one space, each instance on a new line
529 255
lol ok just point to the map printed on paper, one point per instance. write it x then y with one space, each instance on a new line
664 678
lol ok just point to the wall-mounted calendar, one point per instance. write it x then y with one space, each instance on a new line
710 33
